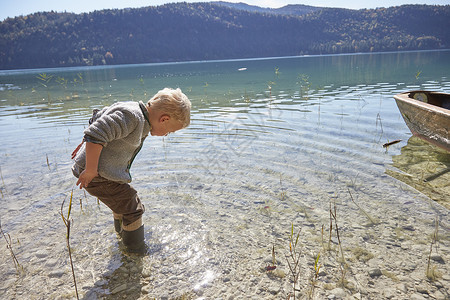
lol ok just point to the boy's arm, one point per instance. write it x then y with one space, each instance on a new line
92 155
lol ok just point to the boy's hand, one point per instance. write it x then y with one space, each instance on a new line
92 155
85 178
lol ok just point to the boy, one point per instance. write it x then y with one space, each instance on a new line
111 142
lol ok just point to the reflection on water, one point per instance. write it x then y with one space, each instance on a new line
269 147
424 167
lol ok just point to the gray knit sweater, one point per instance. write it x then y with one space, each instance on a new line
121 129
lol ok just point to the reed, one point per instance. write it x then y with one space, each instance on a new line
7 238
67 222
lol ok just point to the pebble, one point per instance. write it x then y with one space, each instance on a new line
146 273
409 228
375 273
56 274
438 284
417 297
338 293
401 287
146 289
422 289
101 283
438 258
51 262
274 288
439 296
41 254
356 296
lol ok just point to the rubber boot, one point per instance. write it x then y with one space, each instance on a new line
118 225
117 222
134 241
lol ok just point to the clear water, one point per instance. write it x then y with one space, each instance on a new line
270 146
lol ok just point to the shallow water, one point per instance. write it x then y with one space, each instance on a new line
281 143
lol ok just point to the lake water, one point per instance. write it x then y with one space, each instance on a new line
273 143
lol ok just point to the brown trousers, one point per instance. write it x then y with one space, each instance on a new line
121 198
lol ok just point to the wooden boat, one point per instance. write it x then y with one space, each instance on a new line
427 114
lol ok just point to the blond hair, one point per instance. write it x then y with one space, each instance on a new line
173 103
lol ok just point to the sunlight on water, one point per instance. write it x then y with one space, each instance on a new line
272 143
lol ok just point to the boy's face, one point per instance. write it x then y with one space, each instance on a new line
164 126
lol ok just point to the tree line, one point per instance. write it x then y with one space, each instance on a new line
206 31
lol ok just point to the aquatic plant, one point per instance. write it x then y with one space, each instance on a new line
142 87
432 273
269 86
48 164
362 254
67 222
78 79
314 276
81 200
305 85
277 72
62 81
7 238
372 220
282 191
342 262
3 182
273 266
378 120
353 182
293 260
418 74
45 80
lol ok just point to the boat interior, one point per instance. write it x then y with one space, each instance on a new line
437 99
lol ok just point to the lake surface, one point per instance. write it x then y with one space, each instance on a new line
274 144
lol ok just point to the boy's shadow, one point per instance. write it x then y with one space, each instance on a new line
122 278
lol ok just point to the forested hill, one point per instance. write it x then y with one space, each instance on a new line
204 31
291 9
